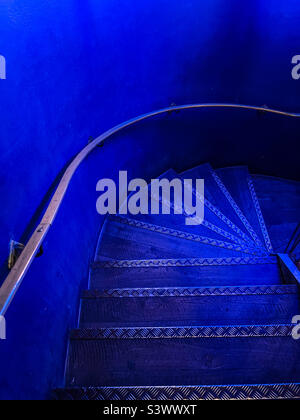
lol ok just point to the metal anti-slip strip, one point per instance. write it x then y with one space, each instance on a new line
189 392
228 331
184 262
190 291
260 215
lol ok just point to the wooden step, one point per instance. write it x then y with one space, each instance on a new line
185 272
279 200
191 355
275 304
214 220
120 239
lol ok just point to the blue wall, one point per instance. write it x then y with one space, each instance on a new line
74 69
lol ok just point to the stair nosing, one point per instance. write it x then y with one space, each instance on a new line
282 390
259 215
182 332
183 262
190 291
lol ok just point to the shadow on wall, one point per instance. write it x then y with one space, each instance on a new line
230 47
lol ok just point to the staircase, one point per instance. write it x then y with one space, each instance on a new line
192 312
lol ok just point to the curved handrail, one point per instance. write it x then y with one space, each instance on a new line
17 273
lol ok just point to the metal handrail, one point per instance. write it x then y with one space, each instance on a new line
17 273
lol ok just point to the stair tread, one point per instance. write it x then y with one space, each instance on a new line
284 196
194 306
185 272
214 223
183 355
122 238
